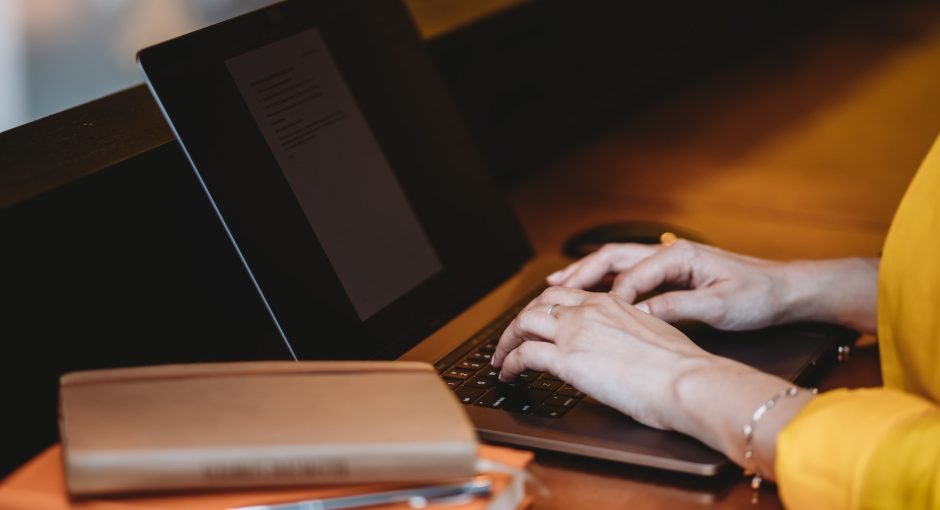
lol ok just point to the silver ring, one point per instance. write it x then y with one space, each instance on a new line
552 308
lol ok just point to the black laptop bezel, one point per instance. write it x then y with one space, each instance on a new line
381 57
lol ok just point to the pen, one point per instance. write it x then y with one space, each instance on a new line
419 495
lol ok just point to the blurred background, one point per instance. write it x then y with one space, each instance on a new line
55 54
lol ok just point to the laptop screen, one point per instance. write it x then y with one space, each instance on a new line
340 169
336 170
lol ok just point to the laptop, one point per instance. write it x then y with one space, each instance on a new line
371 228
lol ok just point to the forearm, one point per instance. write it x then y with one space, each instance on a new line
716 399
840 291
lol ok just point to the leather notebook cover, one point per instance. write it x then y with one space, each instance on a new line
260 424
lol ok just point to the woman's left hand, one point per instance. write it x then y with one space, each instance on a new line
605 347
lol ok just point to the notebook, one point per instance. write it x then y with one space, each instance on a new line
259 424
371 227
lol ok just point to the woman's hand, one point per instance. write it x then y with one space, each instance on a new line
606 348
729 291
645 368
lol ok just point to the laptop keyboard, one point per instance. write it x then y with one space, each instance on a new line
468 372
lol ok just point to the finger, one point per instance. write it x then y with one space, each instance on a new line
561 275
681 305
558 296
509 340
529 325
670 265
541 356
609 259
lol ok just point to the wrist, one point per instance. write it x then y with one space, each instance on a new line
802 296
704 396
840 291
718 397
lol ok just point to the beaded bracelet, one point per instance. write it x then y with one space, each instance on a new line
750 465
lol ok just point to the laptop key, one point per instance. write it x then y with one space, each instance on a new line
481 356
471 364
553 377
481 382
453 383
570 391
526 401
494 399
528 375
549 411
458 373
546 384
489 372
561 400
467 395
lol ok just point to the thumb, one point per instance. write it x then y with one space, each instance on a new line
681 305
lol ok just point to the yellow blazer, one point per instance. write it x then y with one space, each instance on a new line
880 447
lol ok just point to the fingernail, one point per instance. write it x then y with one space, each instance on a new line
643 307
554 277
500 377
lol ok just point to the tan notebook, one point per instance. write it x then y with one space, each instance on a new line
260 424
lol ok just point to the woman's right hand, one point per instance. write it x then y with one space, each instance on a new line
730 291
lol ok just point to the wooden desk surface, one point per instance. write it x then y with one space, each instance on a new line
807 157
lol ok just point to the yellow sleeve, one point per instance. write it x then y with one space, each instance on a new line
861 449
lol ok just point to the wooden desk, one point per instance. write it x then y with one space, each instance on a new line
806 159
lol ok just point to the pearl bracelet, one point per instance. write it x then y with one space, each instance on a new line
750 465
